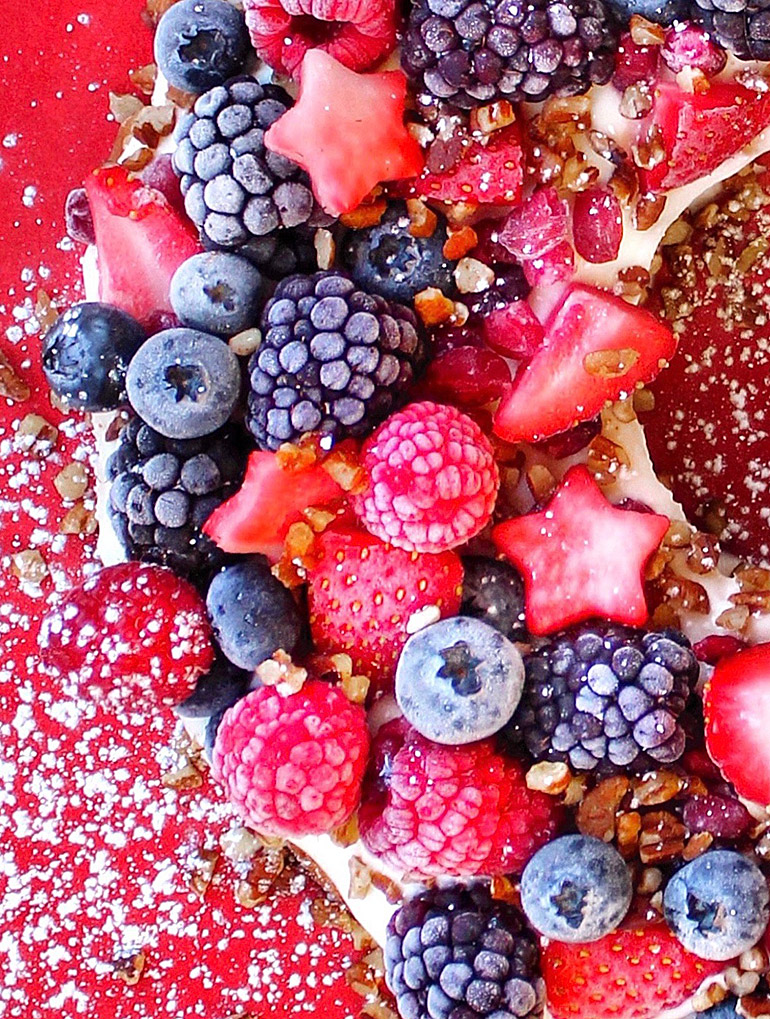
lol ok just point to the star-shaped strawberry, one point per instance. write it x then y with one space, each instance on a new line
581 557
347 130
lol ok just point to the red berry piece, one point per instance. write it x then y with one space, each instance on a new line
293 765
358 35
557 265
159 174
536 226
689 45
135 628
635 64
634 973
433 479
467 377
273 496
347 130
514 330
736 708
723 817
596 348
141 242
699 130
581 556
597 224
365 597
717 646
438 811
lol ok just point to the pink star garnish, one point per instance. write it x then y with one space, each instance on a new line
347 130
581 557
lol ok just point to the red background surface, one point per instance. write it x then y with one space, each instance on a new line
95 853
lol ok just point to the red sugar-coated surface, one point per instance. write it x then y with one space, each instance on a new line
96 852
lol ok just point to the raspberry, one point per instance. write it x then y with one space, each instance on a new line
435 810
133 626
433 479
293 765
358 35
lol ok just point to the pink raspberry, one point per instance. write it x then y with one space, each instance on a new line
433 810
433 479
293 765
133 626
358 35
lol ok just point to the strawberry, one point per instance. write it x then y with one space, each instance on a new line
708 431
596 348
634 973
140 242
347 130
364 597
581 556
485 173
736 706
271 499
699 130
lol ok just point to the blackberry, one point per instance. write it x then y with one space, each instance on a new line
606 697
236 190
471 52
457 953
163 490
493 591
741 26
333 360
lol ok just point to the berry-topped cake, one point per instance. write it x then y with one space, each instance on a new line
427 346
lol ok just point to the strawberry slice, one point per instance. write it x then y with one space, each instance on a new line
699 130
271 499
596 348
485 173
140 242
634 973
347 130
364 596
736 707
581 556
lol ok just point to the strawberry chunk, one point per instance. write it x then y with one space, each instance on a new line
634 973
141 241
492 173
271 499
596 348
581 556
363 594
347 130
736 706
699 130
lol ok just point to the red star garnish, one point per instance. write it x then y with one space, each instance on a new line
581 557
347 130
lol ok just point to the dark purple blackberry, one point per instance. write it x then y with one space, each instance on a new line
606 697
471 52
493 591
333 360
163 490
457 953
235 189
741 27
510 284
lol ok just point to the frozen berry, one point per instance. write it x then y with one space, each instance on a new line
184 383
433 479
691 46
576 888
252 613
635 63
293 765
216 690
131 627
77 217
493 591
217 292
86 354
458 680
662 12
467 377
200 44
597 224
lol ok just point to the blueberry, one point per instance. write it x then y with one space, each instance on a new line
386 259
86 353
252 613
662 12
724 1010
717 905
459 680
217 689
493 591
576 889
184 383
200 43
217 292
